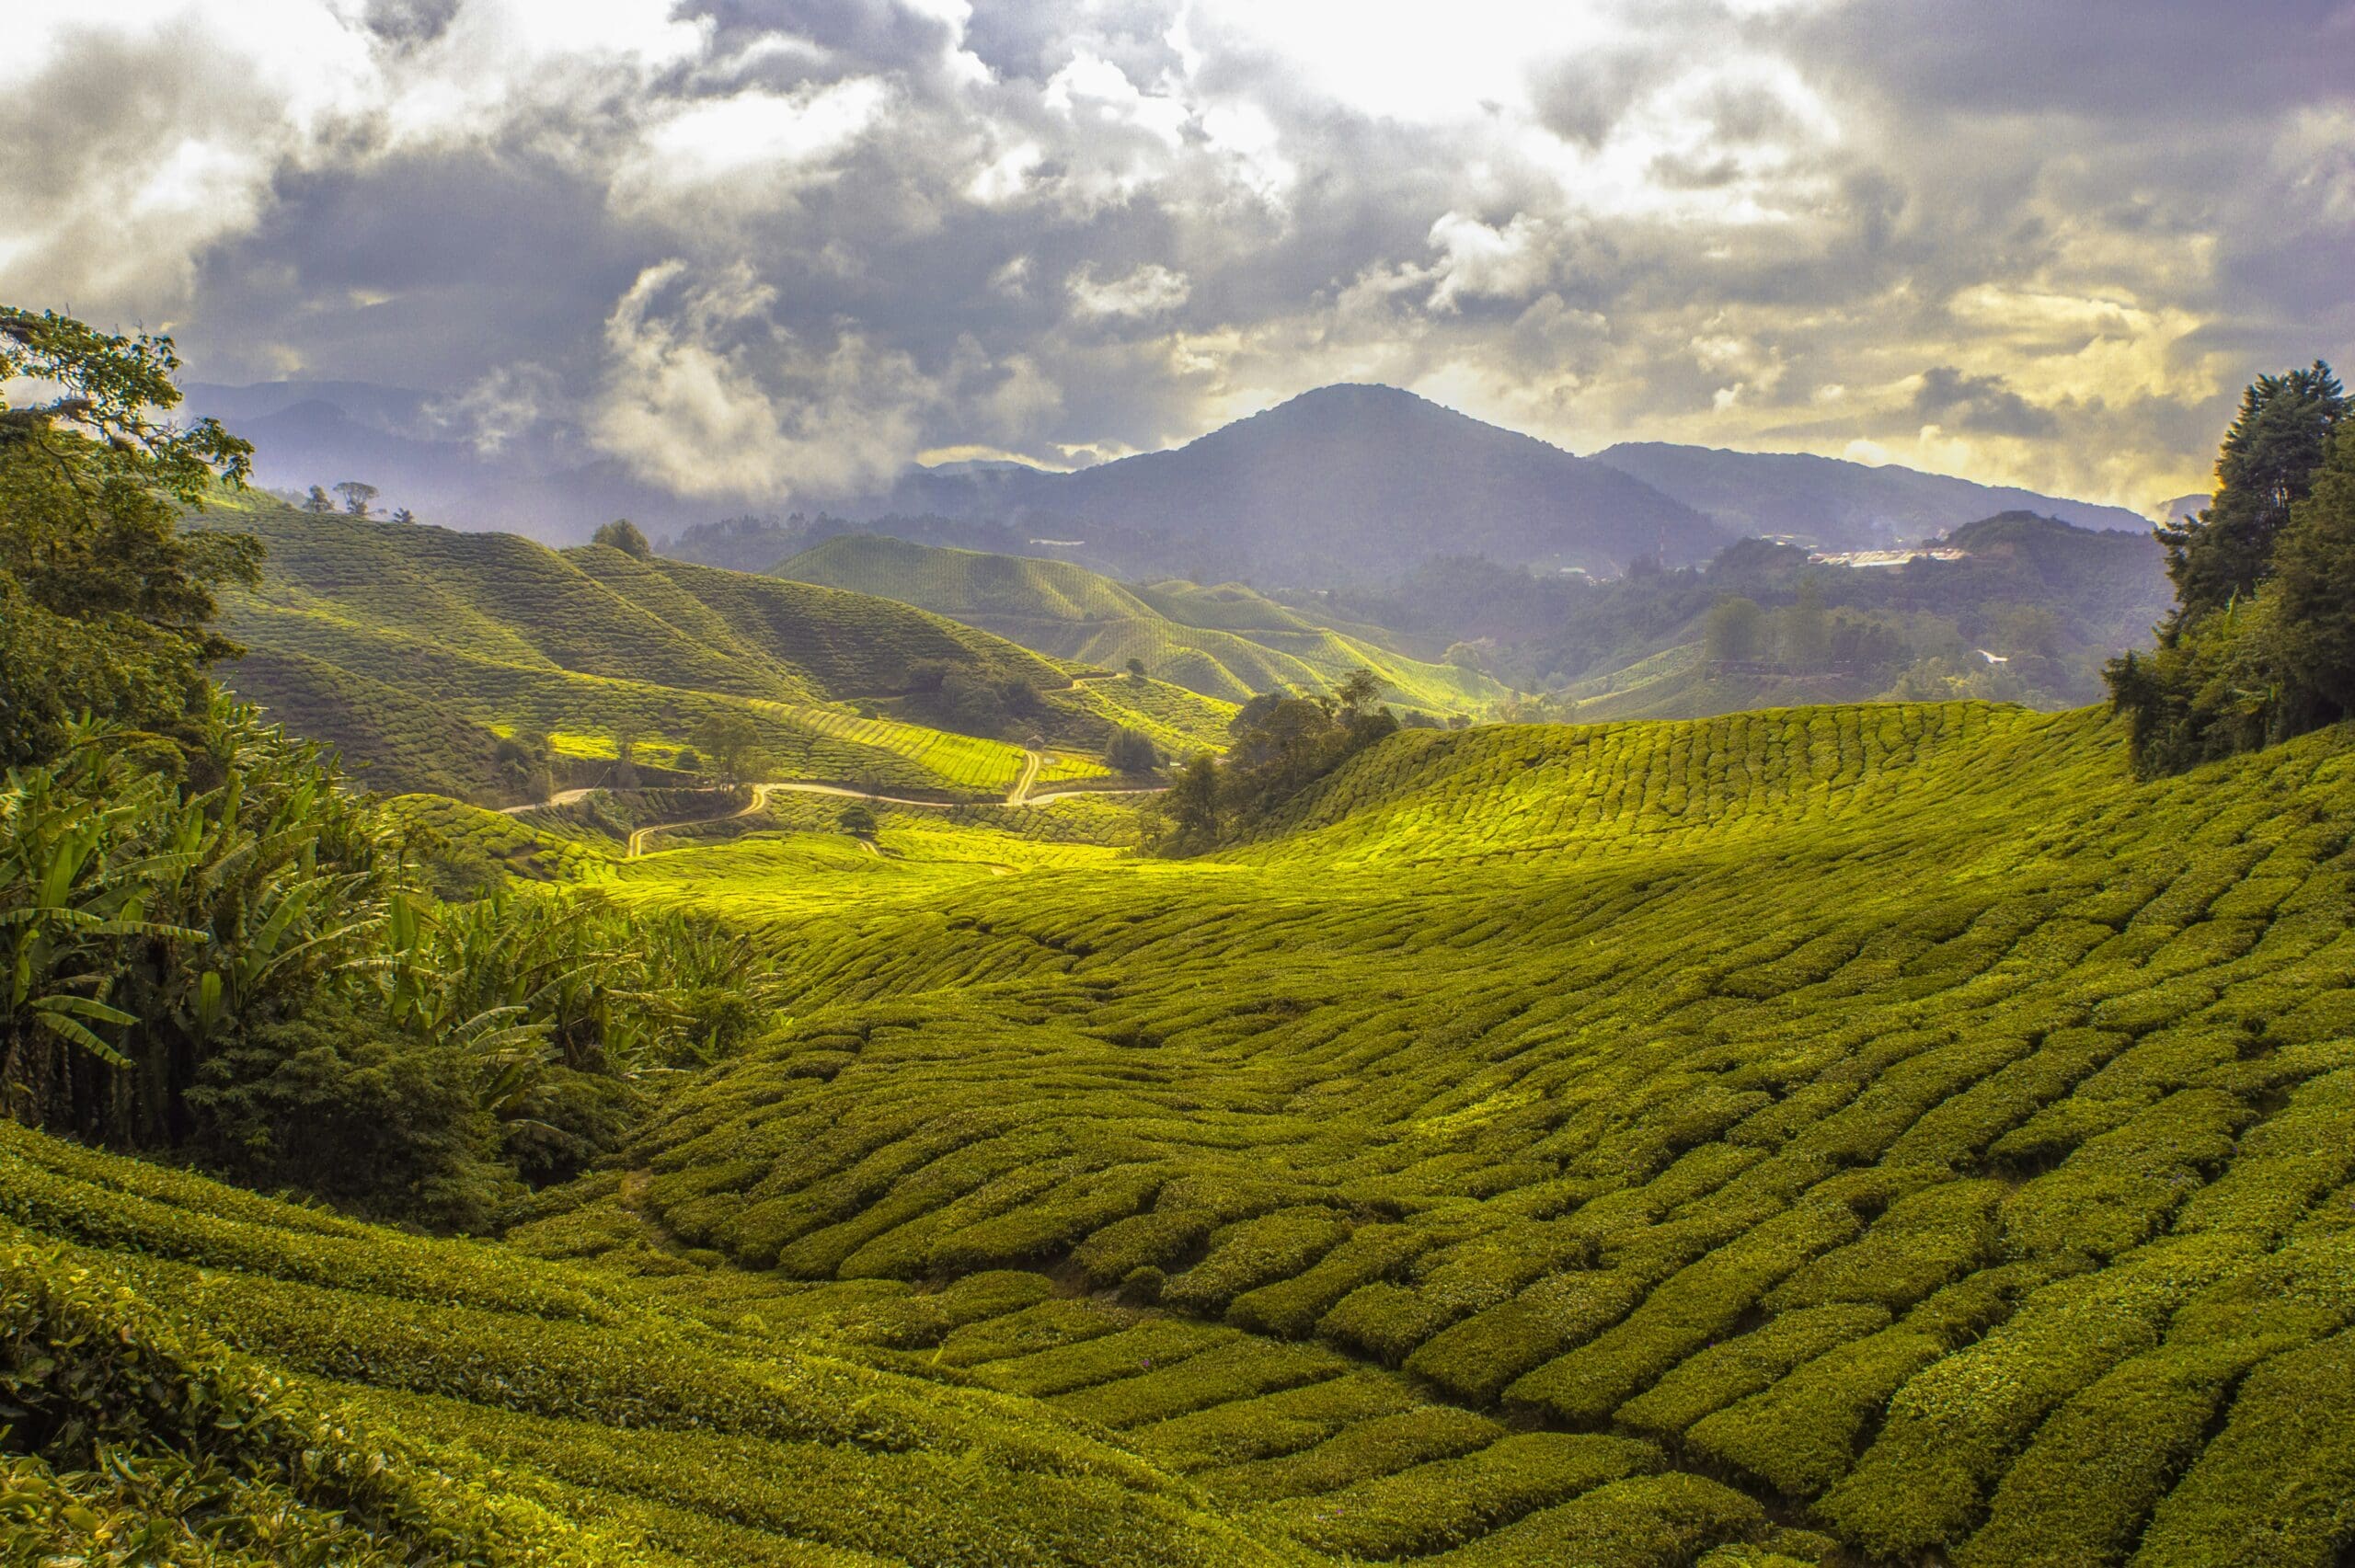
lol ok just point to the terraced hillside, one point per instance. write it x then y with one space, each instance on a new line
1226 642
1844 1136
413 649
1888 1126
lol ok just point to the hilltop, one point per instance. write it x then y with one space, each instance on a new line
1226 642
414 648
1348 483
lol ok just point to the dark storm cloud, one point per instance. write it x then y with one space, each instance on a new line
1978 403
814 237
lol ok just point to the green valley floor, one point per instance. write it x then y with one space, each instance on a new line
1836 1136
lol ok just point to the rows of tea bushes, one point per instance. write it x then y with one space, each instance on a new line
1894 1122
404 646
315 1391
1226 643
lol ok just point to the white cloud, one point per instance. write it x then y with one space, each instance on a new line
1149 290
1092 89
703 394
505 63
1512 262
501 407
748 150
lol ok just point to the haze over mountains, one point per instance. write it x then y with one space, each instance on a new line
1344 484
1840 505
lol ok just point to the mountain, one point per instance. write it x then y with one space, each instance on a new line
1837 505
1342 484
413 649
1226 642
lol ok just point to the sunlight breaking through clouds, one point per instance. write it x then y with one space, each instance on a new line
1169 209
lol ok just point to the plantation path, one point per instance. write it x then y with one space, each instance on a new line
1019 795
562 797
1031 762
760 793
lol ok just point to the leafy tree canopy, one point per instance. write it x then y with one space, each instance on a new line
106 601
2260 644
624 535
2267 462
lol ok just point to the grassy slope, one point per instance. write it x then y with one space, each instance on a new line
1885 1130
1892 1111
409 648
1226 642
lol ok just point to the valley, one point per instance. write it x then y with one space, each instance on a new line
927 1056
1630 1114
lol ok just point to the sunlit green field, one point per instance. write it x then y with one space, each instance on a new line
1833 1136
1226 643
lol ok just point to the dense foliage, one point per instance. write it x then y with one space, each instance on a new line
2260 644
1891 1123
211 946
1282 743
249 975
106 603
2049 601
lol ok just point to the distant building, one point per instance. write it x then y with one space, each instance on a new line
1887 558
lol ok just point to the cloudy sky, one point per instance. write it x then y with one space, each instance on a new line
772 246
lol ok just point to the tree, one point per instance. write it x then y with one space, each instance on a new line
107 601
2313 589
1735 630
317 503
1188 809
1475 654
1136 670
2251 652
404 516
1804 632
858 820
2028 631
732 742
1358 688
1132 752
623 534
521 763
2267 460
356 497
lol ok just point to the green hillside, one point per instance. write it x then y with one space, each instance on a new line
1862 1126
1226 642
1890 1112
413 649
1831 1136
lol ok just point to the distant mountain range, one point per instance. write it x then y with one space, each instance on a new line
1837 505
1345 484
1342 485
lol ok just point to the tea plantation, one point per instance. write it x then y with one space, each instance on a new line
412 649
1838 1136
1227 641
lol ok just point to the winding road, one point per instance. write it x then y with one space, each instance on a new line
1019 795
